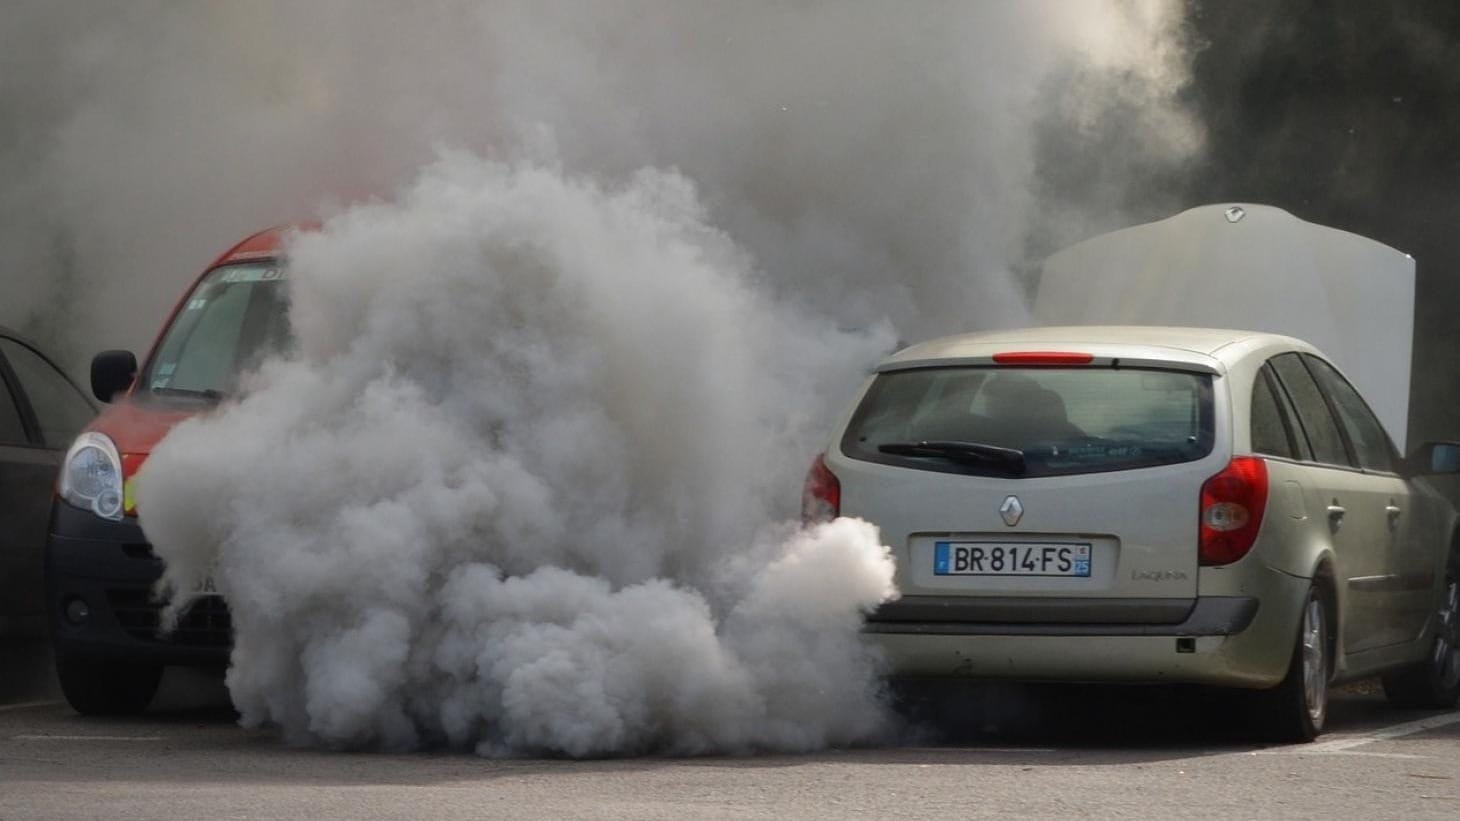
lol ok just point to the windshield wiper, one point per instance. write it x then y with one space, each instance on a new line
972 453
205 393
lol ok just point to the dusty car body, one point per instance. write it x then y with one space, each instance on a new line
1147 504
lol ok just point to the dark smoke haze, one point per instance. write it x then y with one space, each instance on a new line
877 160
1343 112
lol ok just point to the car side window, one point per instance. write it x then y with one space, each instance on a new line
1313 413
1270 430
12 430
61 410
1370 442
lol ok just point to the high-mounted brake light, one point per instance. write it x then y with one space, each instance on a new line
1232 504
821 496
1043 358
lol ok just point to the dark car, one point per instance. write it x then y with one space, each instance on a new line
100 569
41 411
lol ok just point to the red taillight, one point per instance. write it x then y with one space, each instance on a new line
1232 504
1043 358
821 496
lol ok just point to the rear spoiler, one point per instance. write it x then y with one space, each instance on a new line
1191 364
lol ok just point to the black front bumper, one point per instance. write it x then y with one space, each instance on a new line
111 568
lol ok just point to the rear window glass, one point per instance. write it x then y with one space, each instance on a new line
1269 429
1032 421
1313 413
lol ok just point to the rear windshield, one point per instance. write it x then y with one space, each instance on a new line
1032 421
235 317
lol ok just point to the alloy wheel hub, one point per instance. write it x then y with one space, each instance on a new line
1315 663
1447 660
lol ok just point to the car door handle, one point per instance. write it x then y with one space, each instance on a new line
1335 514
1393 511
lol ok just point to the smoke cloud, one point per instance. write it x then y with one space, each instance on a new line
593 282
876 160
513 489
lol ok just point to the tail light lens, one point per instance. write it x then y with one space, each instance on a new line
1232 504
821 496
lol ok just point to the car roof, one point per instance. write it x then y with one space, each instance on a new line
266 244
1209 349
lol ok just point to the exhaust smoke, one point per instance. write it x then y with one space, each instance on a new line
518 487
513 489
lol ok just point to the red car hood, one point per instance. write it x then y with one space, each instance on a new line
136 429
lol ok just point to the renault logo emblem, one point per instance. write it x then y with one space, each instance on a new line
1011 510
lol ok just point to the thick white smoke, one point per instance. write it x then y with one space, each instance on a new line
520 485
515 489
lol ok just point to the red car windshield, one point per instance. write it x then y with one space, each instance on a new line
235 318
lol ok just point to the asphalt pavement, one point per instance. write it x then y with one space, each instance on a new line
992 752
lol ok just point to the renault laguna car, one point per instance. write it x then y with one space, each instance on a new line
1144 504
100 568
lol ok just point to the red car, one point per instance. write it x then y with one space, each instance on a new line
100 569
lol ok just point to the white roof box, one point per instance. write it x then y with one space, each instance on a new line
1252 267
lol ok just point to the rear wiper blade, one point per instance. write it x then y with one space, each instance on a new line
966 452
205 393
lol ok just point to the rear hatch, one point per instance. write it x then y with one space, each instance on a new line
1030 488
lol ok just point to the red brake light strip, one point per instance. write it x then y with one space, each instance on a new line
1043 358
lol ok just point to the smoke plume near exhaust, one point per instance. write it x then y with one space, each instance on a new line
515 489
521 486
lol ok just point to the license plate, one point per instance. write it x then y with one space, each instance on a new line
1008 559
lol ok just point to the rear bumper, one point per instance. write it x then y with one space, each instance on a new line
1233 641
961 615
111 568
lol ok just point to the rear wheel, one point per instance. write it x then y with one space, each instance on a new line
1434 682
95 688
1297 709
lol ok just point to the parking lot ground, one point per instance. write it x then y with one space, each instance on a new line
26 672
1128 757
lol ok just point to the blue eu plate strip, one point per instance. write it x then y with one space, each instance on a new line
940 558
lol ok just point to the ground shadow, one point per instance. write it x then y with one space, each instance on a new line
26 671
974 713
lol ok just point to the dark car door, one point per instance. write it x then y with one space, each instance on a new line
41 411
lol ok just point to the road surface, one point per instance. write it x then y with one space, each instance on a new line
1061 753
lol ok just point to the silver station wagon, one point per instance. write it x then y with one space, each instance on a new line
1145 504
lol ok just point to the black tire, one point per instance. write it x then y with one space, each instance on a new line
94 688
1435 682
1296 710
